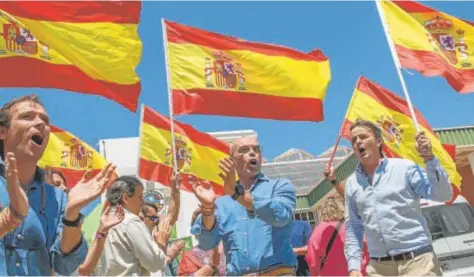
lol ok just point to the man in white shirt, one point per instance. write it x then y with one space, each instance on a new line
130 248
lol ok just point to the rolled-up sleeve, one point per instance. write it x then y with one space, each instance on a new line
432 183
277 210
354 233
66 264
208 239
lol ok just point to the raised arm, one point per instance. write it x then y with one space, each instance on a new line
107 221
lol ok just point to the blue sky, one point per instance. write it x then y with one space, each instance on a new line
349 33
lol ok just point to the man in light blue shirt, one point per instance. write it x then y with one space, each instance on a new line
383 202
49 235
253 219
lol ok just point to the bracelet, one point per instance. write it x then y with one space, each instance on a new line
16 214
208 213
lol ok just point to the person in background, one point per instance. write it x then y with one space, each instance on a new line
325 254
130 248
56 178
149 215
300 233
199 262
110 217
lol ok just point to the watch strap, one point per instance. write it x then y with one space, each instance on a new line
74 223
236 195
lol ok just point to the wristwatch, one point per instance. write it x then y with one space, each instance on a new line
75 223
239 190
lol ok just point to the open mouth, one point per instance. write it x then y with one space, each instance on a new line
361 150
253 162
37 139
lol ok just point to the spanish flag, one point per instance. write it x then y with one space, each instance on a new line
197 153
215 74
390 112
70 155
432 42
90 47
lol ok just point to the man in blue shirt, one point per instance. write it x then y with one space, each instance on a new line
383 201
300 234
253 219
49 236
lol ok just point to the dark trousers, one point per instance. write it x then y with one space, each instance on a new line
303 269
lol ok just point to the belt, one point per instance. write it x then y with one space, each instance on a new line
404 256
279 271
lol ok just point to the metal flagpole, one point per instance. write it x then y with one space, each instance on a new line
170 95
396 61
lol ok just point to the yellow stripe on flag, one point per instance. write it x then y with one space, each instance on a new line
103 57
264 74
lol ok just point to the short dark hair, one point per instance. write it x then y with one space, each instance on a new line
151 205
49 172
121 185
5 116
372 127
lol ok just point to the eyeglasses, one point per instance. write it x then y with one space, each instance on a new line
245 149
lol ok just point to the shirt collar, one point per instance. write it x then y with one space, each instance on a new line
260 177
37 181
382 164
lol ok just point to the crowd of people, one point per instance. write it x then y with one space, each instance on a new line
249 231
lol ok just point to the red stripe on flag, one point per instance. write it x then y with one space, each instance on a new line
246 104
28 72
122 12
178 33
161 173
431 64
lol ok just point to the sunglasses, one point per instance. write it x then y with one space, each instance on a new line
153 218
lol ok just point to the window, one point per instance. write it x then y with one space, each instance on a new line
451 220
455 219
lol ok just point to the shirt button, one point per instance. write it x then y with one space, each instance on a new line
248 268
19 237
17 264
245 251
245 234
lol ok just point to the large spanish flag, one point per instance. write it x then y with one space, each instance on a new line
432 42
89 47
198 153
221 75
390 112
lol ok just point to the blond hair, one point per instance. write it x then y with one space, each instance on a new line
331 210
